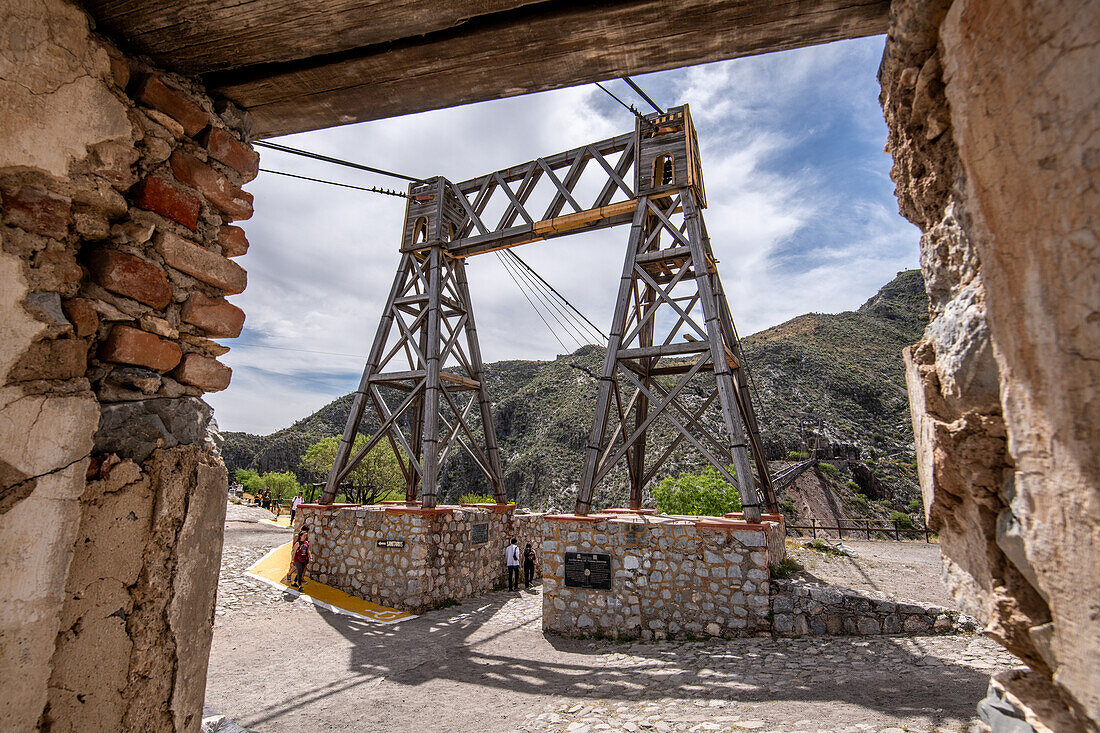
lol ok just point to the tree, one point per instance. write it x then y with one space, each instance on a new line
375 478
250 480
280 483
697 494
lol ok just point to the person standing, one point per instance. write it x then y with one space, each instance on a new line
277 505
528 566
511 558
294 505
300 556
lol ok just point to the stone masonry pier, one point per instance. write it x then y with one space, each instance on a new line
412 558
671 576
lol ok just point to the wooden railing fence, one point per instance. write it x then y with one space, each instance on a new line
854 527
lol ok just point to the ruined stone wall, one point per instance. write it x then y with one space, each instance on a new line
809 609
438 561
117 184
993 116
671 577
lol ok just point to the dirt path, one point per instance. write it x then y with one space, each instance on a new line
284 665
897 570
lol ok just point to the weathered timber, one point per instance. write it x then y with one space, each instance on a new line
200 36
316 83
669 270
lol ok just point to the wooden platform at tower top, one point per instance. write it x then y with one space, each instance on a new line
671 324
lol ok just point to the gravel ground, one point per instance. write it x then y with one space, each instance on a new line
280 664
896 570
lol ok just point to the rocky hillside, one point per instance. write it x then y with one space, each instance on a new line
845 367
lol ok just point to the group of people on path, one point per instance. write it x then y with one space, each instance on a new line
274 504
513 558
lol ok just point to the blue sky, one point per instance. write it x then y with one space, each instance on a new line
801 216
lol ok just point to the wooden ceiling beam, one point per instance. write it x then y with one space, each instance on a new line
201 36
300 66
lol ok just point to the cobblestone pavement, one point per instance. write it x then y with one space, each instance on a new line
239 593
486 665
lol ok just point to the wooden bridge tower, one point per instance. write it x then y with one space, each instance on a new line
672 324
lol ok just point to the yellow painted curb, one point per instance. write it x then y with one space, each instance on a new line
272 569
278 522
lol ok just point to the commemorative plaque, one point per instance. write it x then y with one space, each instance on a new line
479 535
587 570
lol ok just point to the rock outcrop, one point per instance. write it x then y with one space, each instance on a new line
1005 384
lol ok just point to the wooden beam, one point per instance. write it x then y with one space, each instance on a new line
532 48
201 36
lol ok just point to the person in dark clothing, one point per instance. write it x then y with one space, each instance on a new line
300 556
528 566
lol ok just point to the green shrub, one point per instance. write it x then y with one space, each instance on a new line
828 468
787 506
476 499
823 547
915 506
852 485
375 478
699 494
859 500
281 484
798 455
786 568
904 520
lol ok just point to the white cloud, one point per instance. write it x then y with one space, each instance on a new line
799 213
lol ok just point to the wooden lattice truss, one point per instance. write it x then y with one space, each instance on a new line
671 326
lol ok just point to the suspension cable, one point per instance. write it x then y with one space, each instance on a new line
371 189
642 94
537 311
548 306
572 307
336 161
633 110
569 326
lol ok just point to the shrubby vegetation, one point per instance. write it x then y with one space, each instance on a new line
828 468
282 484
375 478
904 520
700 494
786 568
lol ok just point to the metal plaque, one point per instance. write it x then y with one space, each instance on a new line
391 543
480 534
587 570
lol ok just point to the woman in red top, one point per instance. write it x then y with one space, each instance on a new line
300 556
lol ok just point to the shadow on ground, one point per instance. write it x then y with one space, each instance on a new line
490 644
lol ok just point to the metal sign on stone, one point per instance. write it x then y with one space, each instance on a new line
479 534
587 570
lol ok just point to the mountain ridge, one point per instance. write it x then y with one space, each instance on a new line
845 367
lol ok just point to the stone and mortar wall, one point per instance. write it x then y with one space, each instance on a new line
993 112
117 186
437 562
804 609
671 577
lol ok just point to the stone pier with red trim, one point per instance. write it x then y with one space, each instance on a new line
670 576
407 557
